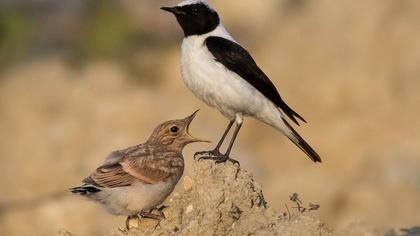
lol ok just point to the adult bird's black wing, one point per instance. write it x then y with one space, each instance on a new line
234 57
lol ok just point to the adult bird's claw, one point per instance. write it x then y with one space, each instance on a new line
226 158
216 156
199 154
208 155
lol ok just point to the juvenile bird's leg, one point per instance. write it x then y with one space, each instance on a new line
161 209
216 151
150 215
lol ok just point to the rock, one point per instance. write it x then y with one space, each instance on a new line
224 199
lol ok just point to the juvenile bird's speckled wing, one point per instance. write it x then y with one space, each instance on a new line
133 168
110 176
155 170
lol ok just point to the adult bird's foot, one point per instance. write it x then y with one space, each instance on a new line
216 156
226 158
208 155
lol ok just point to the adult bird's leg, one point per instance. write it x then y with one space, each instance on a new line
216 151
226 157
216 155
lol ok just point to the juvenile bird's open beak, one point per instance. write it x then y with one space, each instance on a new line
174 10
188 120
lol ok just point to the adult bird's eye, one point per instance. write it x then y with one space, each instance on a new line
174 129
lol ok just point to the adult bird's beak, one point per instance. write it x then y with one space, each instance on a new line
174 10
188 120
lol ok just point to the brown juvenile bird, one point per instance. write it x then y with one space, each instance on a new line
134 181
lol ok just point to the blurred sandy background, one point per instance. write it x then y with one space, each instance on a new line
79 79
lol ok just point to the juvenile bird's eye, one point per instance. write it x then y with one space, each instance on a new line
195 10
174 129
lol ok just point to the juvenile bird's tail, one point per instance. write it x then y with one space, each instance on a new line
301 143
85 190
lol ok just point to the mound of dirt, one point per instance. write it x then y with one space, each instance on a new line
223 199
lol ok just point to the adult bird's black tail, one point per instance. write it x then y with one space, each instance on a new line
301 143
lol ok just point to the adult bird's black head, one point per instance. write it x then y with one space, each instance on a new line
195 17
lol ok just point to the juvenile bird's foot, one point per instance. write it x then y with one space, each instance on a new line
216 156
127 223
161 209
150 215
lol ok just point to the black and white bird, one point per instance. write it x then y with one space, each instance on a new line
220 72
